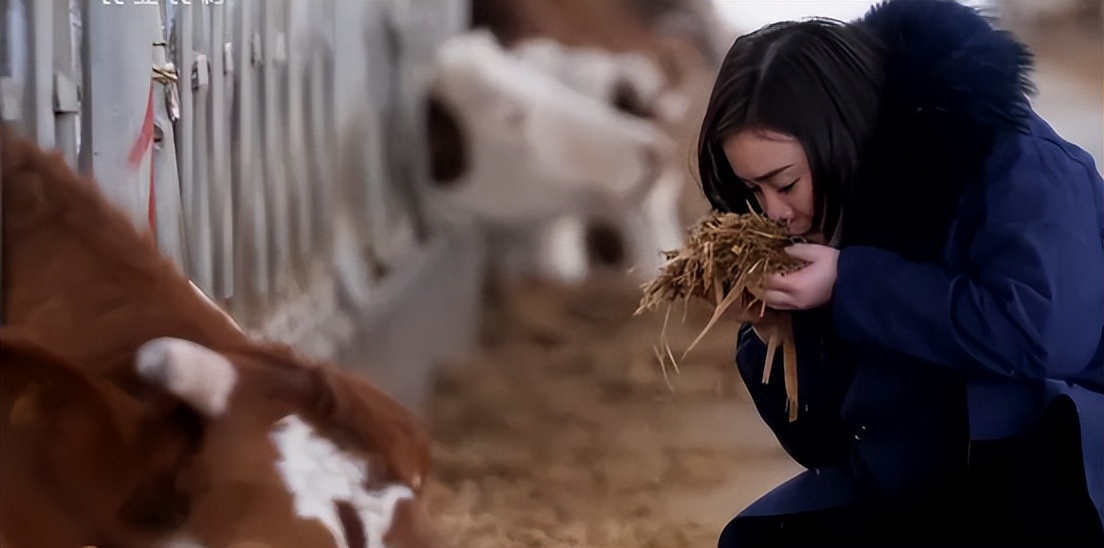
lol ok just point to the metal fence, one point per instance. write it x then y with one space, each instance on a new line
275 147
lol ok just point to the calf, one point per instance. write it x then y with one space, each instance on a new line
630 81
536 150
137 414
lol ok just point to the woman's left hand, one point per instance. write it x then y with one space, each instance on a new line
809 287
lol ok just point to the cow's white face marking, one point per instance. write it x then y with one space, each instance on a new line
319 474
198 375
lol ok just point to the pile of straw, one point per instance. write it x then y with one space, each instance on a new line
725 261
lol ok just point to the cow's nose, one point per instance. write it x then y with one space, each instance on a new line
627 99
448 149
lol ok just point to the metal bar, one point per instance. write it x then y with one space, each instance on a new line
258 199
249 242
412 35
352 93
201 91
221 197
299 21
184 26
322 93
168 207
66 105
87 115
38 112
275 56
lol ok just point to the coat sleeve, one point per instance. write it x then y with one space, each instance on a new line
1027 296
819 436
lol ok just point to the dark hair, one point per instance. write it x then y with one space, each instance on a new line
817 80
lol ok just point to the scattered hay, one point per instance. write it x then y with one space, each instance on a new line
725 261
559 431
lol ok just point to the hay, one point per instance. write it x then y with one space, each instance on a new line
725 262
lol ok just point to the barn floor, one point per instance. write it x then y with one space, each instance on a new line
562 431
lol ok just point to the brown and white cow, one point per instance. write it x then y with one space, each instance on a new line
135 413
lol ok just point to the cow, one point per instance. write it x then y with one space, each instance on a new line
531 142
1038 16
677 33
648 61
136 413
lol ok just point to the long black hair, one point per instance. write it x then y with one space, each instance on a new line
817 80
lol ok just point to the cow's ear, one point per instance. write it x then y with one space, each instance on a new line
84 434
380 424
37 384
196 374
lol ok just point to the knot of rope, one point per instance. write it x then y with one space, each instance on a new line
165 74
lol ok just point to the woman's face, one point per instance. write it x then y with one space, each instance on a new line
774 166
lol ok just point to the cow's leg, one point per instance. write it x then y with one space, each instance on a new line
652 226
562 251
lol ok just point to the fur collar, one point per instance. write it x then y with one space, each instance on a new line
952 83
944 55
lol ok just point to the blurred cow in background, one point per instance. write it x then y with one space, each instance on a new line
683 36
571 142
538 149
136 413
1037 15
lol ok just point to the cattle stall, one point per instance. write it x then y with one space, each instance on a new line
276 150
283 154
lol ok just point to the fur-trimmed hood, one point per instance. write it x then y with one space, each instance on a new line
952 83
943 55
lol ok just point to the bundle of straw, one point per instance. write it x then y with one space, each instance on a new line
725 261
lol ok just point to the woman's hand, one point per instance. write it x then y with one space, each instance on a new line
809 287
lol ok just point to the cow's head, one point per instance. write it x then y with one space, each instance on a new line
513 142
249 446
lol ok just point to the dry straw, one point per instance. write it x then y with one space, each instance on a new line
725 261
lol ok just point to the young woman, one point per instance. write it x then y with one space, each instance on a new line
950 319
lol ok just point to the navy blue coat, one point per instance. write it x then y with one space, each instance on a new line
970 290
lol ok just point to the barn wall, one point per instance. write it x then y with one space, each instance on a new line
277 149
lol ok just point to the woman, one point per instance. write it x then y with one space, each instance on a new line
949 321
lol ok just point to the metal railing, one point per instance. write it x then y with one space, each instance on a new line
275 147
251 122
